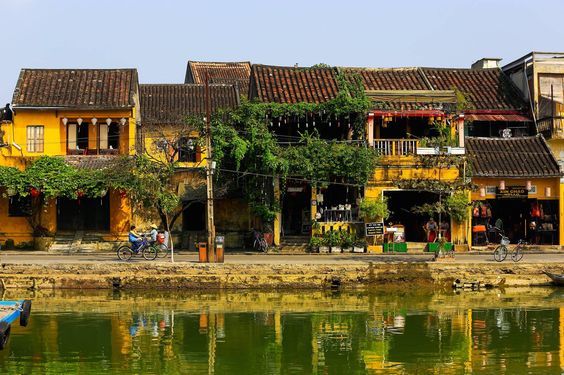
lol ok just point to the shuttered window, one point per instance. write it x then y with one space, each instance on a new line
35 138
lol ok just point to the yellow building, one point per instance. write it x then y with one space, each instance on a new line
87 116
170 134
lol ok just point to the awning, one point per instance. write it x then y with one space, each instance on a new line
410 113
497 117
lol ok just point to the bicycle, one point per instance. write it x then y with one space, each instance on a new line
145 248
259 242
501 251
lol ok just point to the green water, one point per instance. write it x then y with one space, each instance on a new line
382 332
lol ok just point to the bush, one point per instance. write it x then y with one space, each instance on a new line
374 209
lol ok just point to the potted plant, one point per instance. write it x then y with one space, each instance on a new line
324 244
334 239
359 245
347 241
314 244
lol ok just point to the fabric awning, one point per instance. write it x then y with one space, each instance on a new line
497 117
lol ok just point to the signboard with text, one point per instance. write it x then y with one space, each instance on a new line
374 229
512 192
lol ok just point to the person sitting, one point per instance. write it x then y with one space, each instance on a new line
153 233
134 238
431 230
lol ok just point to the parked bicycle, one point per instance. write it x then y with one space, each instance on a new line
259 243
502 250
148 250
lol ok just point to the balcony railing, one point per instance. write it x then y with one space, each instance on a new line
552 127
396 147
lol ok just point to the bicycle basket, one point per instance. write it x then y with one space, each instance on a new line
505 241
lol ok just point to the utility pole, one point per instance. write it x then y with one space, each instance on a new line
210 225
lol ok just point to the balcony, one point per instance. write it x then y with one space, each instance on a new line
551 127
396 147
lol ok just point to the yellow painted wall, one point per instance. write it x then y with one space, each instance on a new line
168 133
19 229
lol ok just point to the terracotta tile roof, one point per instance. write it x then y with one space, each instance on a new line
511 157
92 162
76 88
165 104
230 73
390 78
280 84
486 89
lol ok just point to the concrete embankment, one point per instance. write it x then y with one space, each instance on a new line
145 275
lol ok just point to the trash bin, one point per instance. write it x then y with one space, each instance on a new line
203 252
219 240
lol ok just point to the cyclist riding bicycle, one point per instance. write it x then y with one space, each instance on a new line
134 238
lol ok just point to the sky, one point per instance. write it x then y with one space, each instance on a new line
159 37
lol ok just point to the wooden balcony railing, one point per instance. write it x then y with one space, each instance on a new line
396 147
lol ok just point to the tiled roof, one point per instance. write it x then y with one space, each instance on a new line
92 162
486 89
280 84
511 157
390 78
76 88
230 73
163 104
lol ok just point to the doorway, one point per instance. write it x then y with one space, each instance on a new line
89 214
401 203
296 210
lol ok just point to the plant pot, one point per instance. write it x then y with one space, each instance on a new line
269 238
336 249
358 249
323 249
43 243
347 249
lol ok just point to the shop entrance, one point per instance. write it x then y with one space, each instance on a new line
296 210
91 214
535 221
400 203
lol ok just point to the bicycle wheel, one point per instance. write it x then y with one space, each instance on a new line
124 253
517 254
150 252
162 250
500 253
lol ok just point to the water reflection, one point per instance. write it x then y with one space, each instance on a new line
389 332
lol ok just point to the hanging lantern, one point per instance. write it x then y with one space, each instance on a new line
79 194
34 192
482 192
502 185
79 121
529 185
547 191
122 121
65 120
109 121
123 194
94 120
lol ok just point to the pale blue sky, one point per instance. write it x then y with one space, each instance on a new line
158 37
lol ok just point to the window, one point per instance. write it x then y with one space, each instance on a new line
188 150
19 206
35 138
491 190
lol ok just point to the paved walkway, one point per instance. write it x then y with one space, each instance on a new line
32 257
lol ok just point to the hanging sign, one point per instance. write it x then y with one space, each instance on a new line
374 229
512 192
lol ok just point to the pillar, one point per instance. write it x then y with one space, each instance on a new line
370 129
277 225
560 212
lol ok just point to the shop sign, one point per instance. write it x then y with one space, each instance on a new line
295 189
374 229
512 192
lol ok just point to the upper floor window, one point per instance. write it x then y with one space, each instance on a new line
188 150
35 138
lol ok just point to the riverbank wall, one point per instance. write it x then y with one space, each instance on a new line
145 275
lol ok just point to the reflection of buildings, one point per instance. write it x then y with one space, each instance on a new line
374 334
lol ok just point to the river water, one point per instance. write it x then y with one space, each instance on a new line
393 331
